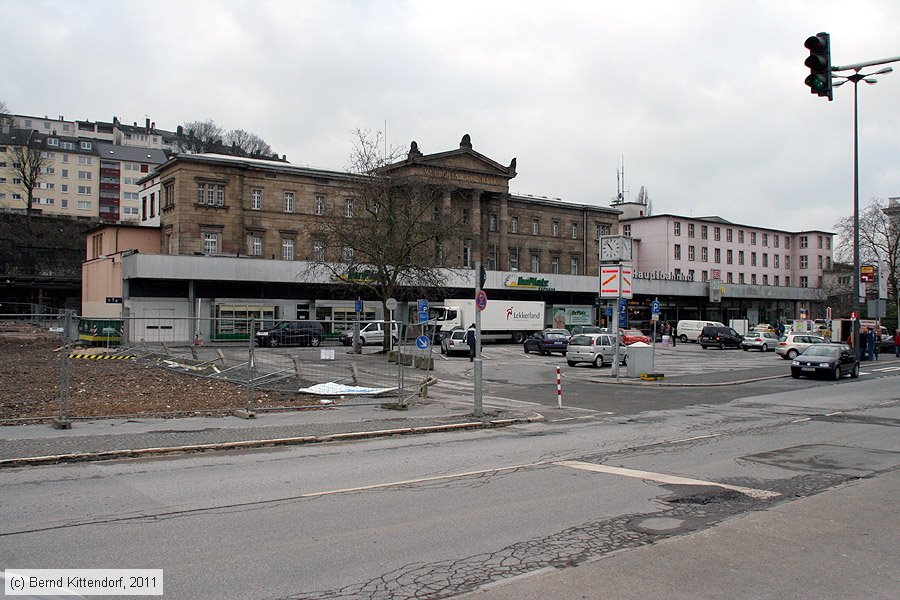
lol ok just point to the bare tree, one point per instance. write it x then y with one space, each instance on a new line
201 136
29 163
879 239
389 238
4 112
249 143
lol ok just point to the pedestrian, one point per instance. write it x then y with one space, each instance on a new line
470 340
673 330
897 344
863 344
872 345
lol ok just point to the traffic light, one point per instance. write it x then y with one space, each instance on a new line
819 63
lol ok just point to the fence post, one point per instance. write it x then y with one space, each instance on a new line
62 421
247 412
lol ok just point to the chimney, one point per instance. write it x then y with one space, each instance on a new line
147 125
153 126
179 130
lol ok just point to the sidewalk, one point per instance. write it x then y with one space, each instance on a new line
841 544
102 439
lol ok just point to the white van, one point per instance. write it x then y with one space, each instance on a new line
689 331
370 333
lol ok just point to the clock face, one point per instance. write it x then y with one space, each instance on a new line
615 248
626 249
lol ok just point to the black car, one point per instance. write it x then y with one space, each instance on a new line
545 342
292 333
831 360
719 337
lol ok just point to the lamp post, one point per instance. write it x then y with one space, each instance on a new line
855 79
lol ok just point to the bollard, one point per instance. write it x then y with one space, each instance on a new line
558 388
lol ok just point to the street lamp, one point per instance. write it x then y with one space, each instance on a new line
855 79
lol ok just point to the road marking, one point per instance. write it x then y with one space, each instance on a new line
663 478
887 369
801 420
696 437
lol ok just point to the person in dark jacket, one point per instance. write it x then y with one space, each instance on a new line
470 340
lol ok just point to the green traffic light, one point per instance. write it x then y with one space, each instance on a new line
817 83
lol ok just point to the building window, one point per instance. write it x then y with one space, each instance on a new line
255 245
753 259
514 225
730 278
787 261
626 230
86 145
677 252
819 262
492 222
752 238
819 241
827 263
753 278
320 205
535 226
53 142
574 231
704 232
787 281
828 243
776 240
729 256
513 259
465 216
690 230
84 190
319 251
603 229
85 160
690 274
211 194
740 236
555 228
256 199
775 259
804 243
676 228
787 243
287 249
777 281
765 260
729 235
690 253
765 239
573 266
349 212
210 243
467 254
704 254
493 258
347 254
741 278
554 265
717 255
535 263
765 280
289 202
740 257
804 281
804 262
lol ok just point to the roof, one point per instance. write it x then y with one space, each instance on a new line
257 163
544 201
131 153
720 221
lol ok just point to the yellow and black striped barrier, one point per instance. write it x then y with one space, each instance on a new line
104 356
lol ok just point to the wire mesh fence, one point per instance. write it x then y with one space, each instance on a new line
171 365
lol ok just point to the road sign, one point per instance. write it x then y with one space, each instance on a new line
391 303
359 306
423 316
615 281
481 300
609 311
654 307
423 305
422 342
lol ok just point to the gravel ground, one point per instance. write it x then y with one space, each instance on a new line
31 364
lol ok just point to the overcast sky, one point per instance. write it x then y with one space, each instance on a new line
703 100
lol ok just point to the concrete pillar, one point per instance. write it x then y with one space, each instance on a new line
503 224
478 249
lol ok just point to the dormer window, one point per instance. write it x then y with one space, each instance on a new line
52 142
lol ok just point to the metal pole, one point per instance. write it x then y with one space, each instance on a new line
250 364
478 372
856 306
64 370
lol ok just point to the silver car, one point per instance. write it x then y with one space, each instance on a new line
455 343
795 343
760 340
596 348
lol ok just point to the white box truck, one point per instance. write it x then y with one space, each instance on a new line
501 320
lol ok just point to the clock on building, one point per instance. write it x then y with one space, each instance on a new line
615 248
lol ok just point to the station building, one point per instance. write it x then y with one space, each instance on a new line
233 240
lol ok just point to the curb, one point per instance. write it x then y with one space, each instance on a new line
291 441
678 384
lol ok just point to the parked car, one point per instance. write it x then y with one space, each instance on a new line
688 330
291 333
720 337
370 333
760 340
831 360
547 341
795 343
595 348
455 343
762 327
633 336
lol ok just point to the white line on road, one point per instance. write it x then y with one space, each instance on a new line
696 437
663 478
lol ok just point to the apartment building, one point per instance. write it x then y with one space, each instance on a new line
86 175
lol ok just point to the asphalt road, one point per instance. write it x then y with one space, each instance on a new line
444 514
